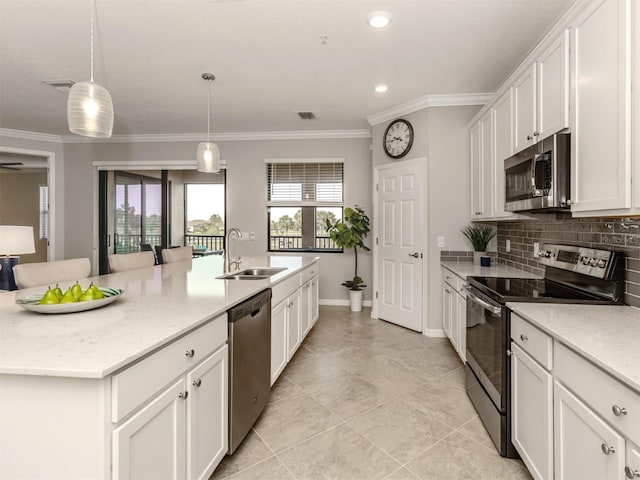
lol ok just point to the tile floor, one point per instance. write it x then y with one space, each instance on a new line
365 399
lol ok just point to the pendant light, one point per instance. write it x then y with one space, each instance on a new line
208 154
89 107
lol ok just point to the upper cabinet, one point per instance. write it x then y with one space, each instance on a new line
502 148
601 113
524 114
482 168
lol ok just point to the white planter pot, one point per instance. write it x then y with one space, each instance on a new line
477 255
355 297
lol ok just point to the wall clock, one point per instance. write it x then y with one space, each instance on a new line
398 138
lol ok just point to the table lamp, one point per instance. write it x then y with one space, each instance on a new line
14 241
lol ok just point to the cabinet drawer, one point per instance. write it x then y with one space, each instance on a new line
533 341
133 386
453 280
308 273
285 288
601 391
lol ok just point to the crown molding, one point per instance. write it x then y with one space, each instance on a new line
25 135
427 101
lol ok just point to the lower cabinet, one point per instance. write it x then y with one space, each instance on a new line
313 292
454 312
279 340
293 321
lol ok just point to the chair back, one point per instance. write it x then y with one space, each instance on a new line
131 261
179 254
49 273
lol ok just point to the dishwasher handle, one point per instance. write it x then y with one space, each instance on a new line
251 306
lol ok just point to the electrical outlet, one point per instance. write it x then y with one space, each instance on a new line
508 245
440 242
536 250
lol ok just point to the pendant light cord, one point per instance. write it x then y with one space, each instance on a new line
209 115
93 7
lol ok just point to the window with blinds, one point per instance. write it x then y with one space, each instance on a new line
44 212
301 196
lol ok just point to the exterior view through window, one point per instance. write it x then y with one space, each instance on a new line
204 216
300 198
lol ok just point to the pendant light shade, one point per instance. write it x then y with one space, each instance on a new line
90 110
208 153
89 106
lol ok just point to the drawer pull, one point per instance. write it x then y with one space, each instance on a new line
631 473
197 383
606 449
190 353
523 337
618 411
183 395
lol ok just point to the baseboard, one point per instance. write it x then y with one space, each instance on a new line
434 332
341 303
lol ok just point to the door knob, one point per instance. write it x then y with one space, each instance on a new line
414 255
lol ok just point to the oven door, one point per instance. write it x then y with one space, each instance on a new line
487 334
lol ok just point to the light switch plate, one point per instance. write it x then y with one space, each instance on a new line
440 242
508 245
536 250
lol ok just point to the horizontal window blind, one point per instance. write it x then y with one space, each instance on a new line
44 211
305 184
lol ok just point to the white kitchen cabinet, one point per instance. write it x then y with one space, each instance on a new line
586 447
293 323
279 340
502 149
475 156
461 304
454 311
482 167
315 291
601 108
524 105
447 311
305 309
632 461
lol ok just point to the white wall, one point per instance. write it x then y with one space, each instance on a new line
246 192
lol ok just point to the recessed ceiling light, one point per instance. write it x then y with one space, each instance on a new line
379 19
381 88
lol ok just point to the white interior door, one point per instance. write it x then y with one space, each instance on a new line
399 244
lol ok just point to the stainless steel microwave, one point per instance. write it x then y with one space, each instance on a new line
538 178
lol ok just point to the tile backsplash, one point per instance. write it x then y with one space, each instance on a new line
608 233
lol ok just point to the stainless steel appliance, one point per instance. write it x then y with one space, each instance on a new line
250 364
538 178
573 275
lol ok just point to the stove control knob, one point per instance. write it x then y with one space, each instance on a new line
585 260
602 263
593 261
545 253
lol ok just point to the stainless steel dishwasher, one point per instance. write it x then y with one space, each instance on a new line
250 364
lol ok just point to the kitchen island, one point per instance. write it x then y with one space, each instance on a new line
75 388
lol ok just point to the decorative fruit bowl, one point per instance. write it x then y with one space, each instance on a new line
32 302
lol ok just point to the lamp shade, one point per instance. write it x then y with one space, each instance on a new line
16 240
90 110
208 157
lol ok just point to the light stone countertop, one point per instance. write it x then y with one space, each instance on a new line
607 335
159 304
465 269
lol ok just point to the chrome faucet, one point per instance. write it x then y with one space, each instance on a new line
227 250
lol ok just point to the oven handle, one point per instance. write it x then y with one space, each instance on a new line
487 306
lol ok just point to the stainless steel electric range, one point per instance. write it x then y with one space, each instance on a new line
572 275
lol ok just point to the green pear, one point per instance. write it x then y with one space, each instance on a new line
87 296
58 291
97 293
49 298
76 289
68 297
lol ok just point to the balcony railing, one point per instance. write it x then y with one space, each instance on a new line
282 242
211 242
131 243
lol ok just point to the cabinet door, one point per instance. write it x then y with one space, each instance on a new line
553 87
462 326
600 139
279 339
632 461
585 446
315 312
446 309
487 161
524 113
454 322
502 148
532 414
305 309
293 319
475 156
151 443
207 415
635 119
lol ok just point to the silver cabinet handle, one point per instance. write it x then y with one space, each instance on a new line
618 411
606 449
509 353
190 353
523 337
631 473
197 383
536 134
529 137
183 395
414 254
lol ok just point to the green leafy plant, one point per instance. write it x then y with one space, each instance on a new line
479 236
350 233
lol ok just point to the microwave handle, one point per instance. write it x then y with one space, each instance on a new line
535 191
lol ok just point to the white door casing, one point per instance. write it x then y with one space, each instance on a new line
399 227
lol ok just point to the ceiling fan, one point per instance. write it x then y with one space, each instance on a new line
10 165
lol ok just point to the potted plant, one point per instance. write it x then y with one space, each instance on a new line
350 233
479 236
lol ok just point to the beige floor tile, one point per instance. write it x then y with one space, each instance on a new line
317 370
391 374
302 354
283 388
401 474
475 429
339 453
400 430
293 419
443 402
437 361
349 396
458 457
328 342
271 469
252 450
455 378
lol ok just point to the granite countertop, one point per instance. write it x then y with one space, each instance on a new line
160 304
607 335
466 269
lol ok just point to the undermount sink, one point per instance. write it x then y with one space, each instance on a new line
252 273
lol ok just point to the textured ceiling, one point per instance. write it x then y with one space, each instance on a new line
266 54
